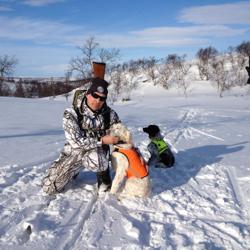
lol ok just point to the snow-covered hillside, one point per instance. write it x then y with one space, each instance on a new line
201 203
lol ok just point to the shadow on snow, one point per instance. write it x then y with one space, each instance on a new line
188 164
38 133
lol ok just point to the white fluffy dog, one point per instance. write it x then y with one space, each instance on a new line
125 185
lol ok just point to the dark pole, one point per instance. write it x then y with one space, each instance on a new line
248 71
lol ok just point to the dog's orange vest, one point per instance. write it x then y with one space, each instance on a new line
137 166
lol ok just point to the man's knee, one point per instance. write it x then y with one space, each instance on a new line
54 186
53 180
48 186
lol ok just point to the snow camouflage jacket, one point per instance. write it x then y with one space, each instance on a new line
83 128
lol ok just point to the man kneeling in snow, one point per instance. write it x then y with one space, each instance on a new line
132 176
87 142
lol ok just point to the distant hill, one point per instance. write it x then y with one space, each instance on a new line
29 87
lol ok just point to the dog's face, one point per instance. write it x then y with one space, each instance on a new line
122 132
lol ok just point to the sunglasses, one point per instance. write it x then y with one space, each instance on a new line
102 98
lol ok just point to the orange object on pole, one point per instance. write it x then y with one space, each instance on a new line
99 69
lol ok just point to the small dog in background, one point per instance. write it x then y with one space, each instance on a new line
131 171
161 155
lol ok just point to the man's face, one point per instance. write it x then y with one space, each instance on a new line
96 100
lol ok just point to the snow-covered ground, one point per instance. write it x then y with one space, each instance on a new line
201 203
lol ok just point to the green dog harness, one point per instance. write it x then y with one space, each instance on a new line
160 144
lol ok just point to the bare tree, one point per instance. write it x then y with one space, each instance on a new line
117 82
184 82
109 56
52 87
150 66
7 65
178 71
82 65
165 71
5 89
204 56
181 71
19 90
88 49
244 49
91 51
237 63
67 87
132 70
220 74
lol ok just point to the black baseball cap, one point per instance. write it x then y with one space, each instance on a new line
98 85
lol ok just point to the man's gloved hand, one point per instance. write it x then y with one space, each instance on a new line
110 139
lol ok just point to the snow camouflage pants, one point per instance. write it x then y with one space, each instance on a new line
70 163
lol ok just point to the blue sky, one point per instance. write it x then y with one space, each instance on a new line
44 34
